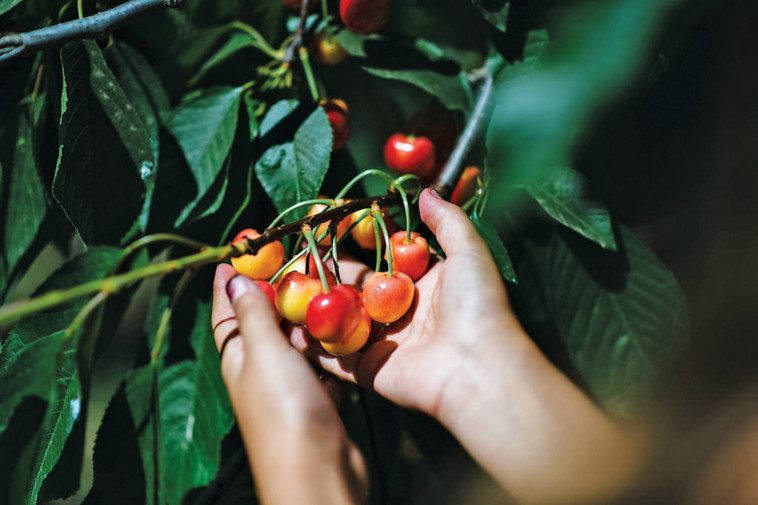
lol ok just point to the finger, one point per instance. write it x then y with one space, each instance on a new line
223 319
452 227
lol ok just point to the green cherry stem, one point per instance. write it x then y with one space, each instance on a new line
323 201
333 231
309 77
378 173
308 233
379 218
90 306
296 257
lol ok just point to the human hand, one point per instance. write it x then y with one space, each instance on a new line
289 422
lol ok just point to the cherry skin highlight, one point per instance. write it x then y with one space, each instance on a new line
263 264
411 258
386 298
410 155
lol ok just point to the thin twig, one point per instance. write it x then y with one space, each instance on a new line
14 45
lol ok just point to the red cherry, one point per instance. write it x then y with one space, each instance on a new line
354 340
411 258
269 291
387 298
334 315
466 186
364 17
294 293
409 155
337 113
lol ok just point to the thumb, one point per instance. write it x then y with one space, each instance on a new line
450 224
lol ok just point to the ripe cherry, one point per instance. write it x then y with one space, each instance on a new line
410 155
326 48
364 17
299 266
354 340
322 228
268 290
293 295
339 120
410 257
466 186
333 316
263 264
387 298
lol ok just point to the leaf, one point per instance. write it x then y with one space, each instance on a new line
560 194
204 125
498 250
6 5
453 91
24 199
294 171
97 181
237 41
620 320
498 16
276 114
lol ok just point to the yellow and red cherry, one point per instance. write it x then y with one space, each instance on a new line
364 17
294 293
263 264
410 257
387 298
466 186
324 227
299 266
337 113
410 155
268 290
333 316
354 340
326 48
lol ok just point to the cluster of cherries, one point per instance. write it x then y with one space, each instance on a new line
339 316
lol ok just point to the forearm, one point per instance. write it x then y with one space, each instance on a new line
534 431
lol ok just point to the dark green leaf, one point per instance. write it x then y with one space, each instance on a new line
276 114
293 172
237 41
24 203
97 181
498 15
453 91
6 5
620 319
498 250
561 195
204 125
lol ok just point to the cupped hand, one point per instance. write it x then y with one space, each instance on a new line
459 313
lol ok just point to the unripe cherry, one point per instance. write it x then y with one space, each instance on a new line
326 48
410 257
354 340
263 264
386 298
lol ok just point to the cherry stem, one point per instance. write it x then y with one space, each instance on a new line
378 173
378 217
287 265
323 201
308 71
308 233
333 230
378 235
258 40
398 185
85 311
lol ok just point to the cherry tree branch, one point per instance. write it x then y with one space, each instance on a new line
15 45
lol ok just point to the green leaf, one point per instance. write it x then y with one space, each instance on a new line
294 171
276 114
204 125
561 195
97 181
498 250
497 16
24 199
237 41
619 320
6 5
452 90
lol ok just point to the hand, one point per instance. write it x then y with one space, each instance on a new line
296 443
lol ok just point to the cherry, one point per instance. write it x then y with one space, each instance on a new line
299 266
410 155
441 126
322 228
364 17
387 298
410 257
354 340
466 186
263 264
334 315
268 290
326 48
293 295
339 120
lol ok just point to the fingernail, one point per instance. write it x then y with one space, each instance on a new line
434 193
237 286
